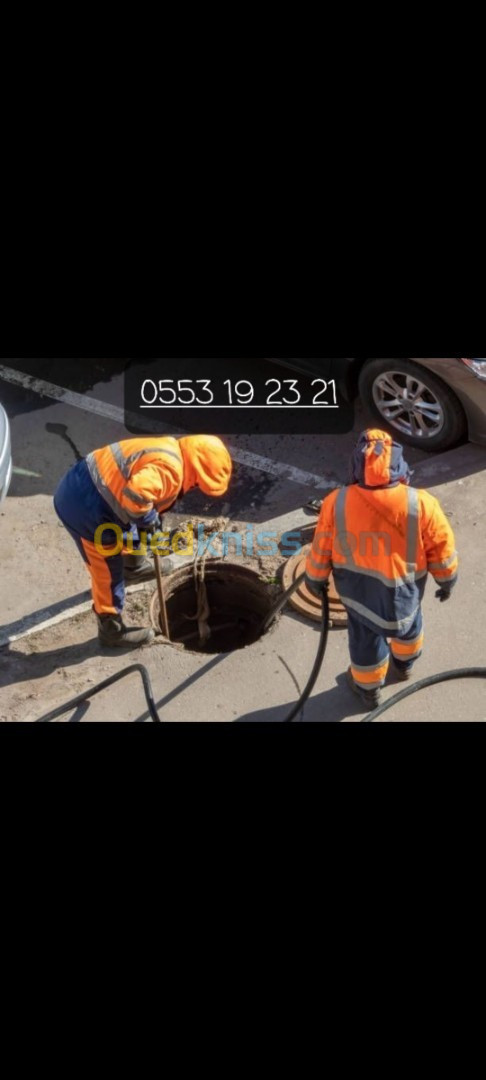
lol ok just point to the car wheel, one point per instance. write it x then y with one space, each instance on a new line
413 403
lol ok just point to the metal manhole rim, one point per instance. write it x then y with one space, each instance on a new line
303 601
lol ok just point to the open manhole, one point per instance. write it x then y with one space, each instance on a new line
238 602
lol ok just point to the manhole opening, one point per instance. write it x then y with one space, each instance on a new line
238 603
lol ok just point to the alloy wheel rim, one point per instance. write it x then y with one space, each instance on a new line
408 404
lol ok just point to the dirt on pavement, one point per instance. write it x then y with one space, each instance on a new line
40 671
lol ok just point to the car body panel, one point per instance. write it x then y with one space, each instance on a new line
5 455
469 389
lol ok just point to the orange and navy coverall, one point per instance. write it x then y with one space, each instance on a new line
381 538
127 485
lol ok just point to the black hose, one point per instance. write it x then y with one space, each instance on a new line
321 651
281 603
69 706
432 680
147 686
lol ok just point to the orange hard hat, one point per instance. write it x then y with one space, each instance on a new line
207 464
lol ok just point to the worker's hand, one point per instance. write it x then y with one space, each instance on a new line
443 594
318 588
155 526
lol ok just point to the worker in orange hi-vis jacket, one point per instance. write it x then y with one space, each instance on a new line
381 538
127 486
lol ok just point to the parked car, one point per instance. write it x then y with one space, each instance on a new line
429 402
5 455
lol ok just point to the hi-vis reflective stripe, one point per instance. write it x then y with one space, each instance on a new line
444 565
135 497
391 583
342 534
412 574
371 678
412 530
105 492
372 617
440 579
125 464
121 463
125 467
407 648
371 667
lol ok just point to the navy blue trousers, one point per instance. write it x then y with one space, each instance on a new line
370 650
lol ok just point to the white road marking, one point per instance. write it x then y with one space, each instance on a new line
114 412
277 527
25 472
29 627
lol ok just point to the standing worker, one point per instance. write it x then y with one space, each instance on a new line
380 538
126 486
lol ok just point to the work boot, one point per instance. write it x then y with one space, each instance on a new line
113 632
371 698
137 568
402 671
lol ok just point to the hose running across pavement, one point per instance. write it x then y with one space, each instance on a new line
433 680
73 704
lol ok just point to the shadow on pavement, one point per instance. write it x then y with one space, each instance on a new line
30 622
181 688
18 667
331 707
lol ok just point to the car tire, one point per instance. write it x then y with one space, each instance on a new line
448 424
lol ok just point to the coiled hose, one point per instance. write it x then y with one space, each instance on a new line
433 680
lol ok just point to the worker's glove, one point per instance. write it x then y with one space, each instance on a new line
157 525
318 588
444 593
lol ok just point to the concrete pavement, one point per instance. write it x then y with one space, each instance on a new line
260 683
42 578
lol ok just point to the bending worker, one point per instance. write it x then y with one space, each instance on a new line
127 486
380 538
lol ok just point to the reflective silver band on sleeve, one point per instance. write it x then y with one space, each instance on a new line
445 564
118 510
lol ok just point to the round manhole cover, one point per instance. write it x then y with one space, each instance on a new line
303 600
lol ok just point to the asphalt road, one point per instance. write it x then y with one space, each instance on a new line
49 436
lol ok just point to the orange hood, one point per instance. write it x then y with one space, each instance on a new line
207 464
378 461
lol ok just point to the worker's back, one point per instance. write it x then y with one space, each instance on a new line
377 550
380 538
135 474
